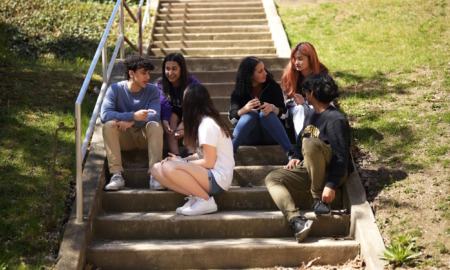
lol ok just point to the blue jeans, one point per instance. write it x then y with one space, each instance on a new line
255 128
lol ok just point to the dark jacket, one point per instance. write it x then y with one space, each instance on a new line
271 93
332 128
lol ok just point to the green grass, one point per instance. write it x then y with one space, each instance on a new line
391 60
45 51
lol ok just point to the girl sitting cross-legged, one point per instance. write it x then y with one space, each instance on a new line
210 170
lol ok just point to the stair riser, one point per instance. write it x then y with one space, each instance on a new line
215 51
213 36
213 44
138 178
227 77
174 226
150 201
218 257
211 29
210 23
225 16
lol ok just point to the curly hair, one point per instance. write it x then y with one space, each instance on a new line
243 86
322 86
292 79
135 62
197 104
167 87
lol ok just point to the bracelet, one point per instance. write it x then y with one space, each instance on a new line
274 108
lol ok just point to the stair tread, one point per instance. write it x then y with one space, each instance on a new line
220 215
150 244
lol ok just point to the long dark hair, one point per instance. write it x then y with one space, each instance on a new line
291 77
243 86
197 103
167 87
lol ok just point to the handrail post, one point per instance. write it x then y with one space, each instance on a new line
79 178
140 31
122 30
105 62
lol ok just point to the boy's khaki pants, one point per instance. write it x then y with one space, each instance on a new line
310 175
148 137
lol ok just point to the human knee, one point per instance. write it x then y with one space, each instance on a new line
273 178
311 145
110 125
153 127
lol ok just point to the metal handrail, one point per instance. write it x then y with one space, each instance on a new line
81 148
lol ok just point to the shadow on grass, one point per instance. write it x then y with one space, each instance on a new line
377 86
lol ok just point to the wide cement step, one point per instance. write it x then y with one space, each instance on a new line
211 16
145 200
236 198
211 36
222 224
201 64
244 176
211 43
227 76
210 10
210 52
211 22
218 253
212 29
180 5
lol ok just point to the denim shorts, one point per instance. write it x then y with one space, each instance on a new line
214 188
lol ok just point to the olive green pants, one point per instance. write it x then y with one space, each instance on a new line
309 176
149 137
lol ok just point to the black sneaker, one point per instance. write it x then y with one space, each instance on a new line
301 227
320 208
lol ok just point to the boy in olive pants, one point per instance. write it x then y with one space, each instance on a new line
321 161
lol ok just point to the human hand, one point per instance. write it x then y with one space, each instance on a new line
292 164
328 195
123 125
166 127
253 104
266 108
298 99
142 115
179 133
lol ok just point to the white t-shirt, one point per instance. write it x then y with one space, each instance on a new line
211 134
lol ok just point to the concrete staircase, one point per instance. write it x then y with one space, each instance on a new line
137 228
212 28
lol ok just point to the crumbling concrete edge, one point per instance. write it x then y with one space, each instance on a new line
77 236
363 226
279 37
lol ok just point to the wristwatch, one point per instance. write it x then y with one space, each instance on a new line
273 108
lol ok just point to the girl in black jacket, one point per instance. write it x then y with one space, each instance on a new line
257 106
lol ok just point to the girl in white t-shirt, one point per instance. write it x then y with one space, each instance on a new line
209 171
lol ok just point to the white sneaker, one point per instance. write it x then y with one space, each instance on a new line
200 207
190 200
155 185
116 182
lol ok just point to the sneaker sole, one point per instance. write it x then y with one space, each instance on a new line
113 188
208 211
323 215
303 234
